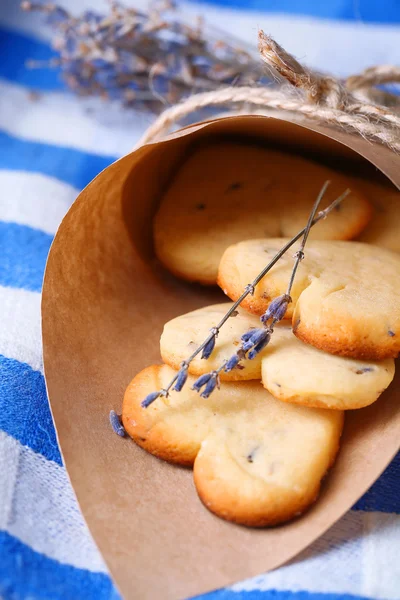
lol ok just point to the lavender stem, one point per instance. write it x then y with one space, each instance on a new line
300 253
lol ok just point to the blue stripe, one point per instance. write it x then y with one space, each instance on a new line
25 574
384 495
276 595
23 256
24 409
367 11
16 49
75 167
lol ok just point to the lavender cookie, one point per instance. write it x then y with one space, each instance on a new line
244 445
227 192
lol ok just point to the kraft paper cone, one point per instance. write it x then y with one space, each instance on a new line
105 301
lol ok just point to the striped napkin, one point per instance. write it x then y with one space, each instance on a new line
51 146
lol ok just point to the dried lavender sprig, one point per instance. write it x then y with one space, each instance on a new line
249 289
255 340
144 58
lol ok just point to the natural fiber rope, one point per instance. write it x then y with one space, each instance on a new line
378 75
322 98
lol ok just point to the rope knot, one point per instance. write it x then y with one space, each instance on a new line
322 90
328 92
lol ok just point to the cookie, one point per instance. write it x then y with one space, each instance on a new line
228 192
257 461
184 334
290 370
296 372
346 295
384 229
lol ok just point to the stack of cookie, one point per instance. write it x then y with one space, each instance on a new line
261 444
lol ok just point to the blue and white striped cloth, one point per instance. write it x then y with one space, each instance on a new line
50 148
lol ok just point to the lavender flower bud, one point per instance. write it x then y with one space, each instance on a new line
277 309
210 387
246 336
260 346
116 424
181 380
208 348
232 363
259 335
150 399
201 381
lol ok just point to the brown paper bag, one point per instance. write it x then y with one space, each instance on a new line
105 301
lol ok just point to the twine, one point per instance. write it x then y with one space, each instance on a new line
353 104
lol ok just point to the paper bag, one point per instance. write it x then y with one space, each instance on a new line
105 300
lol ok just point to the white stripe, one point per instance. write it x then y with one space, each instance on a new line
340 47
40 202
20 336
87 124
38 507
381 564
34 199
356 556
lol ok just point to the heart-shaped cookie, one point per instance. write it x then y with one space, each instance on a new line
257 461
290 370
346 295
296 372
227 192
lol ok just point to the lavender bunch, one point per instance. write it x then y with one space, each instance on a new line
254 340
143 59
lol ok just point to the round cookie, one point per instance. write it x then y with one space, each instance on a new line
257 461
227 192
296 372
346 295
182 335
384 229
